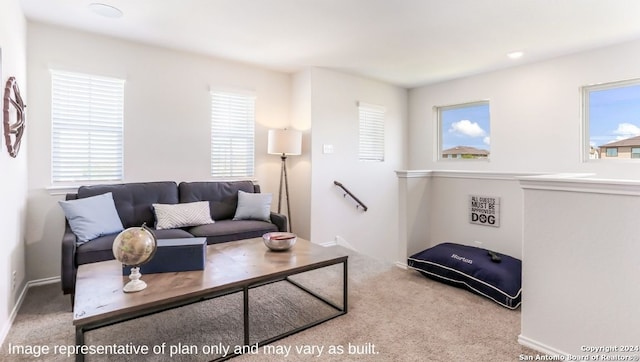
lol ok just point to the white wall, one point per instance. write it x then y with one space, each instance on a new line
577 247
450 211
414 213
299 167
535 128
167 105
13 195
580 272
434 208
334 118
167 119
535 114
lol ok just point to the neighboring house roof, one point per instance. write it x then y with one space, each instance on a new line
627 142
465 150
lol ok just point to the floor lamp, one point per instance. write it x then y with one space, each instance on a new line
284 142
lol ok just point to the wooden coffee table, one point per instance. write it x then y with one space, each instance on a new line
231 267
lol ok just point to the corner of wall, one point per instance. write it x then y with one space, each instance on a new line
13 195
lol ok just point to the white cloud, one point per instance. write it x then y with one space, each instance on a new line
626 130
487 140
467 128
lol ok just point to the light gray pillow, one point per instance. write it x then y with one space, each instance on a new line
91 217
171 216
253 206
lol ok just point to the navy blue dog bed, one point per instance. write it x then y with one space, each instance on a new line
472 268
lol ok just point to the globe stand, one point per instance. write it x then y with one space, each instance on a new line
135 285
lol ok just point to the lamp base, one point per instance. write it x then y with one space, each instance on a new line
135 285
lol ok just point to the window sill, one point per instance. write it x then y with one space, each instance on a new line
61 190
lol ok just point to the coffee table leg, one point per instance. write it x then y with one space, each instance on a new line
345 290
245 292
79 342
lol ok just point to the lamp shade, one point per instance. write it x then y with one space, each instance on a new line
284 142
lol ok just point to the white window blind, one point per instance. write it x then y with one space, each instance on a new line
87 127
371 140
232 134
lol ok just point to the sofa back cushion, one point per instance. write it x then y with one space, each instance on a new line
222 196
133 200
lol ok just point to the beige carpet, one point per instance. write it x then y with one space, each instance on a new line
394 315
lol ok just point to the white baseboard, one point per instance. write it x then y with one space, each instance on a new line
540 347
344 243
14 312
340 242
5 329
44 281
401 265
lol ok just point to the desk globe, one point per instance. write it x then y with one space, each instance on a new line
133 247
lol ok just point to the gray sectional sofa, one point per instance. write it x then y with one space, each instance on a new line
133 202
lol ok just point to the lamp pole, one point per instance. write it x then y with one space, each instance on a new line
283 174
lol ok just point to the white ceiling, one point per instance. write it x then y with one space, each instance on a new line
403 42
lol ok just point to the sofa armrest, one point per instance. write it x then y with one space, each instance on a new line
279 220
68 265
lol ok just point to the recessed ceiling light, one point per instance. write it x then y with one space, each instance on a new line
515 55
105 10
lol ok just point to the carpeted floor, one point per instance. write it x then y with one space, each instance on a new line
394 315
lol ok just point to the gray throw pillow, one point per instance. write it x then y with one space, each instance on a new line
253 206
91 217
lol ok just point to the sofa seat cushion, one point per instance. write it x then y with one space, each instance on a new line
100 249
171 233
229 230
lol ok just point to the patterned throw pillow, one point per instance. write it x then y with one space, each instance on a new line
171 216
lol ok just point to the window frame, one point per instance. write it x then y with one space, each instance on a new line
585 120
438 131
247 95
375 149
96 95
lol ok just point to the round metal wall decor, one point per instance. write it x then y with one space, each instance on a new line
14 116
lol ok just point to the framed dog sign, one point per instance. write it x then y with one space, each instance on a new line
484 210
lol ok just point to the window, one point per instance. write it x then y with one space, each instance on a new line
610 122
464 131
232 134
86 127
371 132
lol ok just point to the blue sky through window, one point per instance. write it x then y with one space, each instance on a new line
466 125
614 114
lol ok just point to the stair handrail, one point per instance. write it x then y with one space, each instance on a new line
347 192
